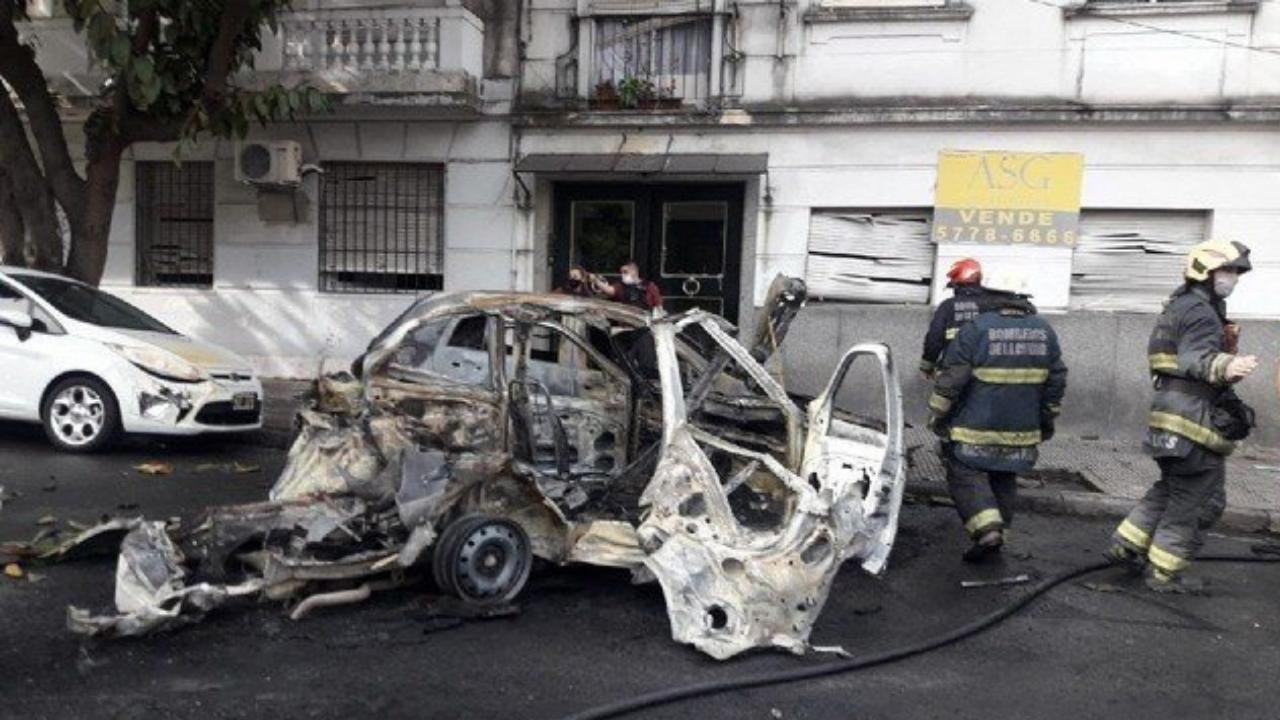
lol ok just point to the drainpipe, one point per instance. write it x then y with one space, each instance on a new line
523 204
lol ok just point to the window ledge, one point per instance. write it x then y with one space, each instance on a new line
1137 8
959 11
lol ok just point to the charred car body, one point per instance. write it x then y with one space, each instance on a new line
484 430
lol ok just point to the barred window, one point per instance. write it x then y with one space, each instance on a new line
382 227
174 224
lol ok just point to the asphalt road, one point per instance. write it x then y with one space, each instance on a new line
587 636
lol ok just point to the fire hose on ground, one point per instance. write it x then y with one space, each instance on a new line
1264 553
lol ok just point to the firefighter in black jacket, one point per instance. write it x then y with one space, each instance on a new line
996 397
965 277
1196 419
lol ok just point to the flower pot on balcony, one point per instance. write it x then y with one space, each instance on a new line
604 103
670 103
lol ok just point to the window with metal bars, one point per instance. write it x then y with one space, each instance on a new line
174 224
381 227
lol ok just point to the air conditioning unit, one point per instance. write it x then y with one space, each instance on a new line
275 162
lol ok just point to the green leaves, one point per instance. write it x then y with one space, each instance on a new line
157 55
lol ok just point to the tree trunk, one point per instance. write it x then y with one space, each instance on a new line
13 232
90 236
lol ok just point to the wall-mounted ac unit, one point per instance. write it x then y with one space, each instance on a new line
275 162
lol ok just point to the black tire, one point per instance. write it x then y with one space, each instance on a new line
482 560
60 421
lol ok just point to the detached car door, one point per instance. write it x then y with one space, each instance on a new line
854 449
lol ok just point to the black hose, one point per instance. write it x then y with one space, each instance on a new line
986 622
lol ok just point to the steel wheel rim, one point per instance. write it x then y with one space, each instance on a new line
491 563
77 415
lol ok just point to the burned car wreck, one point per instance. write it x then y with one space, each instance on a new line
483 430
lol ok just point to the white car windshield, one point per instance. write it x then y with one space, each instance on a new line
89 305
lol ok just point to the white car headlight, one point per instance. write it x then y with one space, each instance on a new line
160 363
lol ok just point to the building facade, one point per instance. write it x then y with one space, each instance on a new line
719 143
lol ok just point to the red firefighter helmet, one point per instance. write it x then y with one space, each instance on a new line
965 272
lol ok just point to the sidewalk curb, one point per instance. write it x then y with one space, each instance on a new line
1083 504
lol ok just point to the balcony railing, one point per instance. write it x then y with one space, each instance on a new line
372 55
379 55
362 41
667 58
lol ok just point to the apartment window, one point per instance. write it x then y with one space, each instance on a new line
1130 260
174 224
660 58
870 256
382 228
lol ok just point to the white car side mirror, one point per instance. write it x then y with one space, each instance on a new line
16 319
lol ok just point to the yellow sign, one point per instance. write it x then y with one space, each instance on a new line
1008 198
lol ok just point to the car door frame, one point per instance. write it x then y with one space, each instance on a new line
882 498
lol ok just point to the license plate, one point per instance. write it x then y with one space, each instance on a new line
244 401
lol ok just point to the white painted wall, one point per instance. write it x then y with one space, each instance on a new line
1025 49
1232 172
265 302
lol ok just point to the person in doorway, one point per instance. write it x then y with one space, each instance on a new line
997 394
965 278
579 283
1196 419
631 289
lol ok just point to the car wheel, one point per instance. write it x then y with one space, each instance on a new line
80 414
483 560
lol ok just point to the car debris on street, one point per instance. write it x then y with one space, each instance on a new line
483 430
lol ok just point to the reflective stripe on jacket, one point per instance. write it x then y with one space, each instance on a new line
1000 381
1188 360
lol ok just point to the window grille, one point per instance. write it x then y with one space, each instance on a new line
174 224
381 228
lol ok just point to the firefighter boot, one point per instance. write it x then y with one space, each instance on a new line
1121 556
1162 582
984 546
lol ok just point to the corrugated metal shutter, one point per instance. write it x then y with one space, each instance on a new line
884 257
1130 260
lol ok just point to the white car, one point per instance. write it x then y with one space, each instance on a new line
89 366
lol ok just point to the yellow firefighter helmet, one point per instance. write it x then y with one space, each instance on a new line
1213 255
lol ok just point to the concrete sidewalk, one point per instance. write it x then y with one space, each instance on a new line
1075 476
1104 478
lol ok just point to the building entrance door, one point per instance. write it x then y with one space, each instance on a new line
687 238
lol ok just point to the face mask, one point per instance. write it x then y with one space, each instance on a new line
1224 284
630 279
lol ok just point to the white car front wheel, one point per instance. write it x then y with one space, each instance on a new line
80 414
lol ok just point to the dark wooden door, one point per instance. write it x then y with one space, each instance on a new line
685 237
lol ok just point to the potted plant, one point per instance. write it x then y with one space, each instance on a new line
606 96
635 93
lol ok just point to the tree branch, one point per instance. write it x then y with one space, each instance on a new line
223 52
32 193
19 69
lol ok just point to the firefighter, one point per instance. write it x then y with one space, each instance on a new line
996 396
965 277
1196 419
